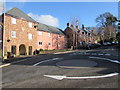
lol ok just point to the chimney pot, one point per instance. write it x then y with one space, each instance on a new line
83 26
68 24
77 27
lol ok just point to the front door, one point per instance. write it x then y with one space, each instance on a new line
13 50
30 50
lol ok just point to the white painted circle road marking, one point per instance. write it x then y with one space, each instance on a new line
47 61
115 61
58 77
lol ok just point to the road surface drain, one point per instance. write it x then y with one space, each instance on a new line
76 64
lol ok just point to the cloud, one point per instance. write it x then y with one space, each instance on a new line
46 19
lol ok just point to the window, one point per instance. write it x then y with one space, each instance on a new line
29 36
40 43
30 24
13 33
59 36
40 33
13 21
23 29
49 44
49 35
13 49
83 33
59 44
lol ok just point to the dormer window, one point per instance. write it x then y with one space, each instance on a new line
30 24
13 20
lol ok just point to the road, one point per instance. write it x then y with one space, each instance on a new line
75 69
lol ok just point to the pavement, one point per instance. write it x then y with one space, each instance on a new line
80 69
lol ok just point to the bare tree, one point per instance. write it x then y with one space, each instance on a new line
75 22
106 23
1 7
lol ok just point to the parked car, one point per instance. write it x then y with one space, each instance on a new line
88 46
107 44
99 45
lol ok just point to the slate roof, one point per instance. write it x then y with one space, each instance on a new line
15 12
50 29
74 29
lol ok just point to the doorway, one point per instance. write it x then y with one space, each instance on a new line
22 49
30 50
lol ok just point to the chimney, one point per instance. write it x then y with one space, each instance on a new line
68 24
72 26
92 30
83 26
77 26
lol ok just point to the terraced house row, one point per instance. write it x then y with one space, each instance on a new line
77 37
22 35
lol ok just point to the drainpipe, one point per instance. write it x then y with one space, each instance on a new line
3 31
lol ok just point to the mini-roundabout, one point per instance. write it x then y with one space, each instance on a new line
86 68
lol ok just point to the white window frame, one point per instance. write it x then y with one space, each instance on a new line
13 34
59 36
39 43
30 36
13 20
40 33
30 24
49 34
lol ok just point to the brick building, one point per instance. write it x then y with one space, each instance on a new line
77 37
23 35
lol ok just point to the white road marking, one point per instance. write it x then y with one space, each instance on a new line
107 54
100 54
4 65
94 54
58 77
47 61
87 77
115 61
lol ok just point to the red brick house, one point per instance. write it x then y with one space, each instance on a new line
23 35
77 37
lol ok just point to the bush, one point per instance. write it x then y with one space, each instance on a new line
40 49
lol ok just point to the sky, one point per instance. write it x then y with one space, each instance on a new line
57 14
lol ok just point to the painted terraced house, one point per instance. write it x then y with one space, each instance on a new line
23 35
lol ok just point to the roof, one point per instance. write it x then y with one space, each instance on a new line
15 12
50 29
74 29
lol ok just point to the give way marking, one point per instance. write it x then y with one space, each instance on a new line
87 77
